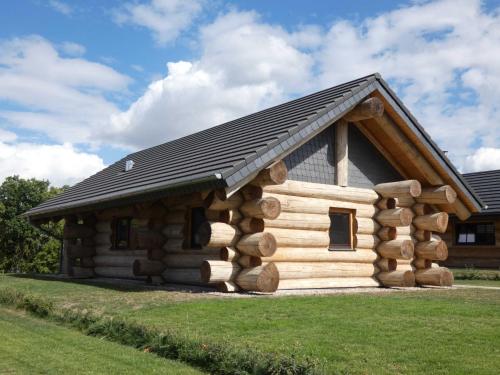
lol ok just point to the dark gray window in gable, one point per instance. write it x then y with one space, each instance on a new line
314 160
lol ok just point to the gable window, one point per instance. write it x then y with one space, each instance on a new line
475 234
121 233
196 218
341 233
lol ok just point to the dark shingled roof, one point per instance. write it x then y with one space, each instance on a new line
230 154
487 185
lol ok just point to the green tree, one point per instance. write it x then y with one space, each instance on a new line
24 248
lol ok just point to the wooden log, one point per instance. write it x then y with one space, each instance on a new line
188 276
311 254
78 231
437 195
406 202
387 264
366 241
173 231
102 239
251 225
78 272
434 276
148 239
217 200
365 225
436 222
214 215
422 263
387 233
235 217
299 270
404 231
293 203
300 238
397 217
247 261
434 250
403 278
146 267
111 213
328 282
292 220
155 254
370 108
228 254
214 234
227 287
79 251
87 262
173 245
106 250
251 192
421 209
341 152
406 188
263 279
262 208
261 244
422 235
216 271
191 259
117 272
386 203
396 249
103 227
175 217
115 260
323 191
274 175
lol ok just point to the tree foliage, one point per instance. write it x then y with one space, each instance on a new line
24 248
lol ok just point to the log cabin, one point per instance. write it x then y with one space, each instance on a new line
475 242
340 188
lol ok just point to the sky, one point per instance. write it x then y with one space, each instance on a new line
84 83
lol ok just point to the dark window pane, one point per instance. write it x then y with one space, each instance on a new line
475 234
340 231
197 218
122 233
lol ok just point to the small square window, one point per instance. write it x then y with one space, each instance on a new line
480 234
121 233
196 218
341 229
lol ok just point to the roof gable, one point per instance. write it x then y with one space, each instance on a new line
231 154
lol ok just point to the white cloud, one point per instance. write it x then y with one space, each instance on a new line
166 19
73 49
61 7
63 98
60 164
483 159
245 65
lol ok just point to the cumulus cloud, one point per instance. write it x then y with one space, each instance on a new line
63 98
245 65
61 7
60 164
73 49
166 19
483 159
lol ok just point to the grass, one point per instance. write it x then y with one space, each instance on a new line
432 331
490 283
33 346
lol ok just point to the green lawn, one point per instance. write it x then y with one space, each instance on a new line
430 331
33 346
493 283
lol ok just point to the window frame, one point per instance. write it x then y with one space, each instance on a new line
351 214
456 234
114 238
188 242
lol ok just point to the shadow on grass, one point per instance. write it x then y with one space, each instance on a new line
120 285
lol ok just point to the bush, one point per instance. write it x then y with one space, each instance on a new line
216 358
475 274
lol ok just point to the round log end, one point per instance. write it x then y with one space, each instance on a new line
450 194
442 221
406 216
214 196
205 271
407 249
441 250
278 172
415 188
387 233
267 245
376 106
408 279
268 280
447 279
271 208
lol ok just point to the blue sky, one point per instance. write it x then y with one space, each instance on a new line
86 82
